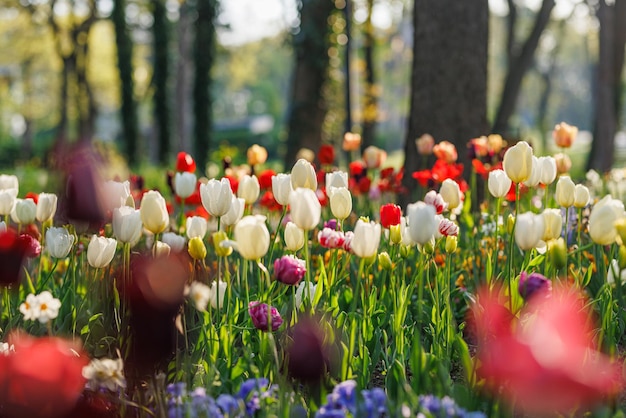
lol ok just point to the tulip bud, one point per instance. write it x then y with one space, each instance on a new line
218 237
249 189
161 249
621 257
303 175
602 220
548 170
564 135
216 196
422 222
289 269
337 179
532 284
46 207
366 239
563 163
395 234
252 237
384 260
196 248
196 226
100 251
153 211
217 292
281 188
256 155
581 196
127 224
535 173
24 211
374 157
510 223
553 222
451 243
294 237
260 313
565 191
429 247
305 208
340 202
499 183
175 241
59 242
529 230
7 200
518 162
451 193
185 184
405 251
351 141
557 253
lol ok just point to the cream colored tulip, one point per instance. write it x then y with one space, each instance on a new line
499 183
100 251
553 222
581 196
518 162
24 211
529 229
216 196
7 200
281 188
303 175
565 191
602 220
366 239
235 213
196 226
305 208
340 202
249 189
153 211
127 225
294 237
451 193
46 207
535 174
252 237
548 170
422 222
185 184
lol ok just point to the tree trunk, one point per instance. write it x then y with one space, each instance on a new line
124 45
449 77
520 64
204 57
160 34
184 73
84 95
370 105
307 106
612 40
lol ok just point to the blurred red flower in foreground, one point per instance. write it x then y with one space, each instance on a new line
13 249
545 361
42 378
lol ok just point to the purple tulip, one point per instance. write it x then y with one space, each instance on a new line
533 283
259 314
289 269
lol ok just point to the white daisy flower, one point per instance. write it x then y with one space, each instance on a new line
48 306
105 373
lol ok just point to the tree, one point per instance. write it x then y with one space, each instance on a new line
449 77
520 60
204 50
123 41
160 33
609 86
370 99
307 107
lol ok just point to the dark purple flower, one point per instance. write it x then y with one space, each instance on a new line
331 223
289 269
262 313
308 356
531 284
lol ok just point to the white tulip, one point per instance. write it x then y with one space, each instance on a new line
59 242
153 211
216 196
340 202
422 222
100 251
9 181
305 208
196 226
529 230
499 183
303 175
127 225
336 179
252 237
548 169
185 184
249 189
46 207
24 211
281 188
235 213
294 237
451 193
177 243
366 239
7 200
535 173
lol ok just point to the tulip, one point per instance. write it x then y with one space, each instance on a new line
216 196
446 151
326 154
548 170
374 157
196 226
436 200
294 237
58 242
217 291
351 141
340 202
13 251
620 228
46 207
533 284
366 239
305 208
305 291
499 183
116 193
422 223
614 271
451 243
390 215
602 220
256 155
9 181
337 179
447 228
581 196
331 238
161 249
303 175
176 242
235 213
222 251
7 200
24 211
100 251
518 162
553 222
529 230
557 253
249 189
196 248
185 184
565 191
127 224
451 193
535 174
289 269
563 163
281 188
564 135
425 144
252 237
185 162
260 313
153 211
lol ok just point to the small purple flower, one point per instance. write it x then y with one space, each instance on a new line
531 284
331 224
261 312
289 269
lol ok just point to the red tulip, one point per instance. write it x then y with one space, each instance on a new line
13 249
42 378
390 215
185 163
544 361
326 154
